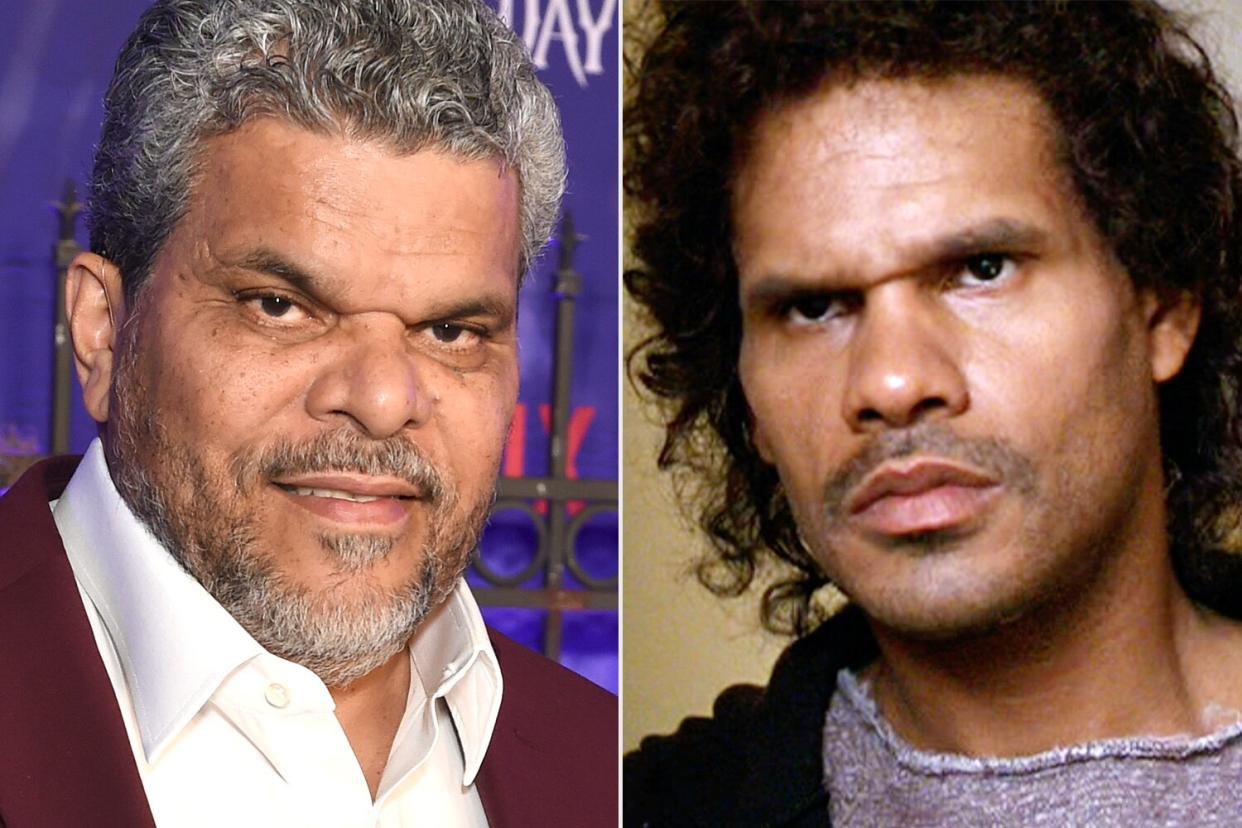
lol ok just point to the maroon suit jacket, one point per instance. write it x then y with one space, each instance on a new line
65 758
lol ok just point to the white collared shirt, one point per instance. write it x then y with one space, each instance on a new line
225 733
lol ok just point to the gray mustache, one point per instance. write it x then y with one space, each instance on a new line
344 450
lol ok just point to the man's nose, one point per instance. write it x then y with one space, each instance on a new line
373 380
904 365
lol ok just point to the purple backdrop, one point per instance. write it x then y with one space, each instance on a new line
55 61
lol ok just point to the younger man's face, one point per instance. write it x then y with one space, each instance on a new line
954 378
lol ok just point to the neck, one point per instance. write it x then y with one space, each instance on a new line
1127 654
370 711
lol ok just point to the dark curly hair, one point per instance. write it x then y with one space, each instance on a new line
1147 134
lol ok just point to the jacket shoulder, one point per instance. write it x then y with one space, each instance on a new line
541 693
757 758
692 776
553 756
28 534
67 758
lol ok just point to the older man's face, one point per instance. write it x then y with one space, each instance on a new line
313 395
954 378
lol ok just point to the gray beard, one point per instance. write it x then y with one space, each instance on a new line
208 523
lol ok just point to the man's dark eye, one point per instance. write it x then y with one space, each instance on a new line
446 332
813 307
987 268
275 306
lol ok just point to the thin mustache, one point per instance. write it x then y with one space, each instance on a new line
991 455
345 451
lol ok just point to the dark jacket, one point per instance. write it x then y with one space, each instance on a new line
65 758
758 760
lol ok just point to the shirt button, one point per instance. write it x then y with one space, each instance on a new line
276 695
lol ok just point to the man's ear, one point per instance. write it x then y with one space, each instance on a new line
1172 322
95 309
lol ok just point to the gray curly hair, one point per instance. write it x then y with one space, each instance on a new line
414 74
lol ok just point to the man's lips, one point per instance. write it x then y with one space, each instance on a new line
920 495
351 498
355 484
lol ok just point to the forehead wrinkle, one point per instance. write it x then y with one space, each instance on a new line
880 110
873 129
264 260
395 238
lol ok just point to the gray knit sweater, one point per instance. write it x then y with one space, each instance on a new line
876 779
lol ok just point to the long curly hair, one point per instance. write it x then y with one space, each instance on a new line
1146 131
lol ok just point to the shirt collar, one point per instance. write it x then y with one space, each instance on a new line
177 645
454 660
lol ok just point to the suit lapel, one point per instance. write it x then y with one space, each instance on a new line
513 773
552 759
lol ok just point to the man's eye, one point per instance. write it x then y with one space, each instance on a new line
809 310
275 306
986 268
445 332
456 336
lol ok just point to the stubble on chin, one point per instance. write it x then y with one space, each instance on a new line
933 600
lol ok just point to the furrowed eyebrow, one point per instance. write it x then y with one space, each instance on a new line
503 311
993 236
273 264
999 235
772 291
262 260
